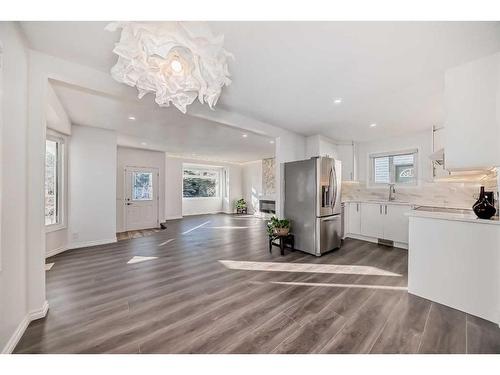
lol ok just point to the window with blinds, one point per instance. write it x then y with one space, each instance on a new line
394 168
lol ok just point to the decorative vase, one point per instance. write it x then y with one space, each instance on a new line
281 231
483 208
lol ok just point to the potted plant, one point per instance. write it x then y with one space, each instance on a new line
278 227
241 206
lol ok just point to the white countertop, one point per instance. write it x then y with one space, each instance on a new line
467 217
376 201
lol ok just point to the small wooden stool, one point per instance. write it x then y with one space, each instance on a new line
287 241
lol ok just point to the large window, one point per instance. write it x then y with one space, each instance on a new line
54 151
398 168
200 182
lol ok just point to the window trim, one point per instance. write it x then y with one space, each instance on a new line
371 175
219 192
61 180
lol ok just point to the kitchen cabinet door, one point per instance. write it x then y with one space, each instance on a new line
472 104
354 218
372 223
396 223
345 153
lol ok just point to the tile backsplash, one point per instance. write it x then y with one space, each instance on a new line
440 194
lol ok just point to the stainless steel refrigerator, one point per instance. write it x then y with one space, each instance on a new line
313 204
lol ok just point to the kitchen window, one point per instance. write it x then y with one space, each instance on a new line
201 183
54 167
398 168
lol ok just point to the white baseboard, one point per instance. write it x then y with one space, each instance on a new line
173 217
21 328
77 245
204 213
53 252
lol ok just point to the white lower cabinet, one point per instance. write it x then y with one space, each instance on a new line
354 218
396 223
371 220
378 220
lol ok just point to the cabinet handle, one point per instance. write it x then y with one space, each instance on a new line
380 209
357 207
386 209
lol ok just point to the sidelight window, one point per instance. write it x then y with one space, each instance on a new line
54 159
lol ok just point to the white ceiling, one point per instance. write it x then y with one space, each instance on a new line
163 129
288 73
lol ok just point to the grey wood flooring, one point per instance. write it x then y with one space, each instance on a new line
182 299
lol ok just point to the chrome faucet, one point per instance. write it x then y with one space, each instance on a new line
392 192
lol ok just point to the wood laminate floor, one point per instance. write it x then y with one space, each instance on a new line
208 284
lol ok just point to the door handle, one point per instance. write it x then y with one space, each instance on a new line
128 204
334 181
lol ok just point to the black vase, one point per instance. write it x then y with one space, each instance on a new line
483 208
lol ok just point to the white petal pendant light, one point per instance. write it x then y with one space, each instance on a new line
178 61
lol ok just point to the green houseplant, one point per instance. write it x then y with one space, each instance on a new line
241 206
278 227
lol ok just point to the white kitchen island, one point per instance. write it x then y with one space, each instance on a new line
454 259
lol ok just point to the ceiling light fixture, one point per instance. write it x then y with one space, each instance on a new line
373 125
144 143
178 61
176 66
244 135
337 100
132 118
271 142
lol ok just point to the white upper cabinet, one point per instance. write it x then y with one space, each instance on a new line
345 153
318 145
472 99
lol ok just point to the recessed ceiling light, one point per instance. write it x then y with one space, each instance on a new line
271 142
131 118
244 135
373 125
337 100
144 143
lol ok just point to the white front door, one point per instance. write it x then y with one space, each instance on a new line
141 198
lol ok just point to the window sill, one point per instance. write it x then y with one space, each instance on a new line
200 198
54 227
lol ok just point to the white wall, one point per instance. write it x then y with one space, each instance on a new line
176 206
252 184
57 118
289 147
173 188
92 186
133 157
13 248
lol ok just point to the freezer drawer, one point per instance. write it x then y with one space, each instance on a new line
328 233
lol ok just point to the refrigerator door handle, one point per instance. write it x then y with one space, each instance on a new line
334 181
